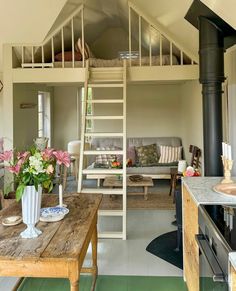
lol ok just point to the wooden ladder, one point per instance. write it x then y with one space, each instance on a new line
92 82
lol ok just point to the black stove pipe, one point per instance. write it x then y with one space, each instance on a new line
211 53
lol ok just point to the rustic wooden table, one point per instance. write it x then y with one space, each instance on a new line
113 181
60 251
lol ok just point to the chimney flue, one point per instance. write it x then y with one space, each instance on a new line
211 53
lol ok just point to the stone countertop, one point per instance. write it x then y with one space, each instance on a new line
201 190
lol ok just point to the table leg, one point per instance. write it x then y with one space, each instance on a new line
145 193
171 184
94 242
74 285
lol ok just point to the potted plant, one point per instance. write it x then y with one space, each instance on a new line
33 171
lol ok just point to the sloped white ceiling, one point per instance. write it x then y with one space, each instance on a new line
225 9
31 21
26 20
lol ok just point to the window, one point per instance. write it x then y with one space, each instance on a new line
44 115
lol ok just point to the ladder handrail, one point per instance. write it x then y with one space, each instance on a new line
83 127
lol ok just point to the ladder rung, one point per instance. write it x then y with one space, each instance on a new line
105 191
103 171
105 101
104 134
106 85
104 117
112 234
110 212
115 152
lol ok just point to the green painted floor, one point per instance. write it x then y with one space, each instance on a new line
107 283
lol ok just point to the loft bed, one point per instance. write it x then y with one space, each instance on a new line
149 50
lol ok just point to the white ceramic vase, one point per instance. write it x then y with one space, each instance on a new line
31 205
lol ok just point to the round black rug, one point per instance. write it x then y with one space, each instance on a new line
164 247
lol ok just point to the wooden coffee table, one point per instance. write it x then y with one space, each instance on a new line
60 250
114 181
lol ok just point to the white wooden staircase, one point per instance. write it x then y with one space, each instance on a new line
105 78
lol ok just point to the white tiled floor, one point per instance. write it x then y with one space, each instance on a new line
118 257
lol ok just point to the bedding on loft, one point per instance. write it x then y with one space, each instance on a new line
97 62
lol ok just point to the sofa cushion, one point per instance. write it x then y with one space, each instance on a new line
147 155
105 159
156 170
170 154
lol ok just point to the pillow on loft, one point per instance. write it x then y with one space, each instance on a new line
79 48
68 56
147 155
170 154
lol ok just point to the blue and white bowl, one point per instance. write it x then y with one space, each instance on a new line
53 211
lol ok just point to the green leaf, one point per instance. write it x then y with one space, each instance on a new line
20 191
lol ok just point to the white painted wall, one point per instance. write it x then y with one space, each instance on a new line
65 122
25 121
230 73
191 124
152 110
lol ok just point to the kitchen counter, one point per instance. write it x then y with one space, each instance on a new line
232 259
201 190
196 191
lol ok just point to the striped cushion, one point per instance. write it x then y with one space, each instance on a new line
170 154
105 159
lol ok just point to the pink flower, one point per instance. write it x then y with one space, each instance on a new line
62 158
6 156
47 154
14 169
50 169
22 157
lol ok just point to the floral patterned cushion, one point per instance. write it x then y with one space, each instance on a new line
147 155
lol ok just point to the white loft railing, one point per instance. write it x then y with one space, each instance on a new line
174 49
146 39
28 51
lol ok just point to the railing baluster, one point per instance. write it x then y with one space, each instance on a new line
62 48
32 54
52 43
160 48
22 55
82 30
150 45
171 53
73 42
42 56
139 39
181 57
130 35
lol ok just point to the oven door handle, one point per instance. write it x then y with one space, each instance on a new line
204 246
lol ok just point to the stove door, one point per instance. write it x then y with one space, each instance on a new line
212 277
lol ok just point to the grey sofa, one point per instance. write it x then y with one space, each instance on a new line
161 171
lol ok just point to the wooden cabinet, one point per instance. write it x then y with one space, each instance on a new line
190 247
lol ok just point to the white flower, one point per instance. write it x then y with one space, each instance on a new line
36 164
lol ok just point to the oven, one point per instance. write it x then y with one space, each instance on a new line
214 249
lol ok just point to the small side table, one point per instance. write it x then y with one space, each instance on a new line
174 176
